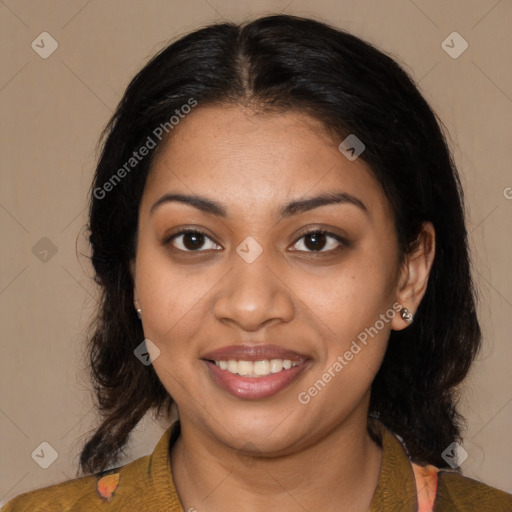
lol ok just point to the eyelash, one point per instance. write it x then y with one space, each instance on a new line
343 243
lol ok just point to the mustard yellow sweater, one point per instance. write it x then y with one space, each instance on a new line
146 485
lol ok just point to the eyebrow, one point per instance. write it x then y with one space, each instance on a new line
292 208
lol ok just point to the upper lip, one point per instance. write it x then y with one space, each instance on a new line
253 353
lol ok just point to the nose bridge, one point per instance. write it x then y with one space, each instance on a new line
253 293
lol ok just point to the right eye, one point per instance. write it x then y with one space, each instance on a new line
191 241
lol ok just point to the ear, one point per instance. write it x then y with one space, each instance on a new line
133 274
413 279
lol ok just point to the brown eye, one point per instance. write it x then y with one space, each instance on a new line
317 240
191 241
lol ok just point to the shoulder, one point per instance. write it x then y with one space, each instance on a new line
144 484
456 492
436 489
89 492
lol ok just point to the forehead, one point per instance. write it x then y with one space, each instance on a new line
253 160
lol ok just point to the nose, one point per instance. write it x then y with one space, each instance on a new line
254 295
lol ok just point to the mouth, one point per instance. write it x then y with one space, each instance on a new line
255 372
261 368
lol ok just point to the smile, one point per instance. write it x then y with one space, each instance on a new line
255 380
256 368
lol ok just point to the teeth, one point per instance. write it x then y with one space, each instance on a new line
245 368
276 365
257 368
261 368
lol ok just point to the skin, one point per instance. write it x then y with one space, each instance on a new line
275 453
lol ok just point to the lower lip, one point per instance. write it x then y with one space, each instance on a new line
253 388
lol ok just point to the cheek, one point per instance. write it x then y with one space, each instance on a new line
355 303
161 294
350 297
173 301
353 354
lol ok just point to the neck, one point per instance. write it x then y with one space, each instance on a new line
338 472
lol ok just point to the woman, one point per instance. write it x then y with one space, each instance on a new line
278 230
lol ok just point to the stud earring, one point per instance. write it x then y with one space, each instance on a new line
406 315
139 313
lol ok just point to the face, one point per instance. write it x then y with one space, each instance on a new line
248 279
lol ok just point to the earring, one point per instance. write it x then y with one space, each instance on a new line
406 315
139 313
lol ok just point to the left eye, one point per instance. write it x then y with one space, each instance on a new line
316 240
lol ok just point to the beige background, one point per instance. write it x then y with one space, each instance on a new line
52 113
